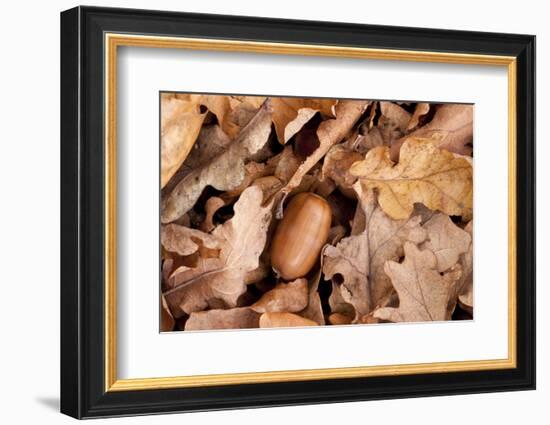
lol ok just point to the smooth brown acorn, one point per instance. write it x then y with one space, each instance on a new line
300 235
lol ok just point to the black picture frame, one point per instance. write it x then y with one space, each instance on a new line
83 392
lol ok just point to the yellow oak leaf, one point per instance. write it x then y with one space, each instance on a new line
426 174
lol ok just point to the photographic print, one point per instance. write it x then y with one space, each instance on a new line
293 212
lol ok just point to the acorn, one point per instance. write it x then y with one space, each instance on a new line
300 235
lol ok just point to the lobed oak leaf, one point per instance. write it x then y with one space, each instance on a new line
437 178
424 293
291 113
241 241
184 240
225 172
451 129
446 240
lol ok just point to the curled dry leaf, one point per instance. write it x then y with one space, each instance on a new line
426 174
212 205
330 132
284 320
167 322
420 110
180 125
241 240
291 297
225 172
424 293
446 240
291 113
234 318
451 129
395 115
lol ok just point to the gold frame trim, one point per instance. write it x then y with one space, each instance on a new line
113 41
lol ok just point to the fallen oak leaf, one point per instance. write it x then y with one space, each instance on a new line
234 318
420 110
224 172
181 121
284 320
424 293
184 240
385 238
329 133
394 115
291 297
451 129
213 204
241 240
446 240
291 113
336 165
435 177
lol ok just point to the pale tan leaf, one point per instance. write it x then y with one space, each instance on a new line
446 240
181 121
426 174
451 129
234 318
424 293
241 111
224 172
184 240
291 297
284 320
346 264
291 113
242 240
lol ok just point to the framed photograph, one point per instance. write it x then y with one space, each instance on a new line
261 212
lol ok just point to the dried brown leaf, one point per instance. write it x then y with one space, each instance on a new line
420 110
435 177
241 240
225 172
184 240
446 240
337 163
213 204
291 297
465 285
451 129
291 113
330 132
424 293
180 125
234 318
167 322
284 320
